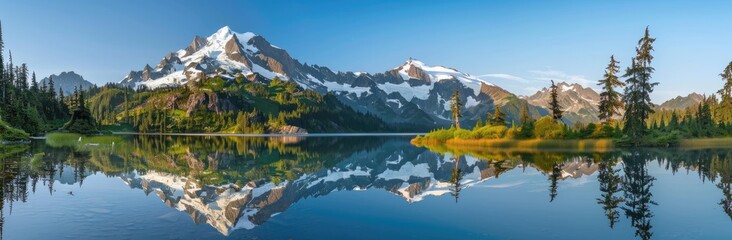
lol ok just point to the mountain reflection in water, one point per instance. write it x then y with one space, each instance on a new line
240 183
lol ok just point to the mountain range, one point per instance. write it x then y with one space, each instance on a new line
412 94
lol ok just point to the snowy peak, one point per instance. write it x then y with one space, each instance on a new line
415 69
224 53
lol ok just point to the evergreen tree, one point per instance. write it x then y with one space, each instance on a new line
554 102
2 50
525 118
34 84
725 108
81 97
673 124
51 88
610 100
637 97
499 118
479 123
456 107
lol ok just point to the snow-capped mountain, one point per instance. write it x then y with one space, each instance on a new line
412 94
579 103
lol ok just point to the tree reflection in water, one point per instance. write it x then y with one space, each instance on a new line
609 186
637 185
455 178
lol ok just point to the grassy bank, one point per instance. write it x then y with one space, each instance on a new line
10 134
534 145
594 145
706 143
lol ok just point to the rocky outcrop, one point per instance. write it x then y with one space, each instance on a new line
207 100
291 130
197 43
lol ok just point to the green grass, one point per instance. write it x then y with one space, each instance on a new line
706 143
73 140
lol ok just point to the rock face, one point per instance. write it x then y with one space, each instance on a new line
579 103
67 81
291 130
207 100
414 95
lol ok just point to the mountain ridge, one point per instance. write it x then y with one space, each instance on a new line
412 94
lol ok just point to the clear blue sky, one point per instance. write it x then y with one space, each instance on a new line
516 44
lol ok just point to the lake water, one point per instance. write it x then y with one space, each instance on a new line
356 187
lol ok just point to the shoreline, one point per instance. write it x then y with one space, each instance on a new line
599 145
273 134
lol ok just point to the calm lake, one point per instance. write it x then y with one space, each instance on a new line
355 187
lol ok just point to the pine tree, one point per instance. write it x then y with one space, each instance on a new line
479 123
2 60
525 118
726 95
34 83
81 97
499 118
554 102
610 100
51 88
637 97
456 107
673 124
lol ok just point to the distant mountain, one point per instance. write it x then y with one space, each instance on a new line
412 94
68 81
579 103
680 102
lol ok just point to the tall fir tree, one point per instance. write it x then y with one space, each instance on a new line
638 91
457 108
524 117
610 101
725 104
2 50
51 88
34 83
554 106
498 118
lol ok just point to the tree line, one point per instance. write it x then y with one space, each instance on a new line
26 104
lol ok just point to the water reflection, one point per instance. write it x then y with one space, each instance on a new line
610 181
240 183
